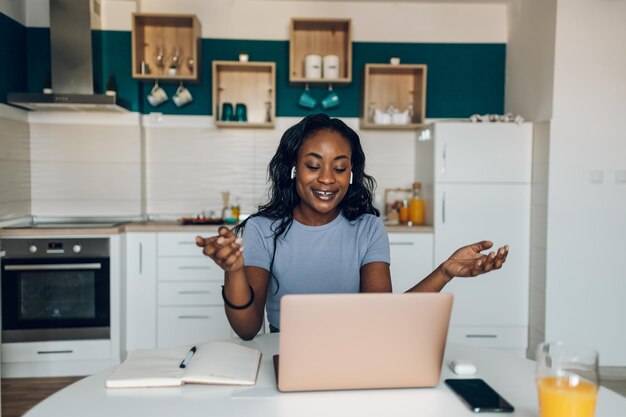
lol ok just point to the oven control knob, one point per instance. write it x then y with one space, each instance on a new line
32 248
77 248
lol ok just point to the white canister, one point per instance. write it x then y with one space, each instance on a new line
312 66
331 66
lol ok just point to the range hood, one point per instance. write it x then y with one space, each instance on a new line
72 74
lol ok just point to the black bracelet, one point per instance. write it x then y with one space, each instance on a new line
243 307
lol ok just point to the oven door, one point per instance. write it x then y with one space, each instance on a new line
55 299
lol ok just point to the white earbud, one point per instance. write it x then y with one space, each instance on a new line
293 172
351 175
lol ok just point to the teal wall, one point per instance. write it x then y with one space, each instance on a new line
12 57
463 79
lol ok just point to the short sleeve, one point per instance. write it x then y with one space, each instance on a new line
256 245
378 242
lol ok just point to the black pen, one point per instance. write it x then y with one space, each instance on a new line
187 359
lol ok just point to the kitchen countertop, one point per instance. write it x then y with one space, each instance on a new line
158 226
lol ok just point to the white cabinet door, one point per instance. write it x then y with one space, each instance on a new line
411 259
178 244
483 152
141 290
468 213
189 268
190 305
190 325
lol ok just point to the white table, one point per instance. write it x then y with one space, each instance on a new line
511 376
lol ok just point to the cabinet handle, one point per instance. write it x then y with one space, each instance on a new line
443 208
194 317
193 292
186 242
47 352
52 267
481 336
444 159
402 243
140 258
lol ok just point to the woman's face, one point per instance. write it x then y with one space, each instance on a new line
322 176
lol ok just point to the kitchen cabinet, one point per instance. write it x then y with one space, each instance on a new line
400 88
310 36
252 84
173 292
477 180
190 308
140 287
411 259
165 47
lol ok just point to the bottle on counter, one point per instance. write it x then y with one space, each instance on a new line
236 209
227 211
403 211
416 205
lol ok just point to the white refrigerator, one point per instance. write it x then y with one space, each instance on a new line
477 186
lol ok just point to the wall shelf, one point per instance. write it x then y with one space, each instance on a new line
250 83
402 86
165 47
320 37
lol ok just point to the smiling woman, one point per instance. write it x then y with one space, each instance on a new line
319 232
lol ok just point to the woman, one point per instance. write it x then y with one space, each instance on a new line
319 233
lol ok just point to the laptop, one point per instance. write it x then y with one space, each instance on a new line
359 341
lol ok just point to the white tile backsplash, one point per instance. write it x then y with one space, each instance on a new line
85 165
187 168
85 143
15 181
82 169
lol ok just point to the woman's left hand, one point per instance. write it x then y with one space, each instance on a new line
468 261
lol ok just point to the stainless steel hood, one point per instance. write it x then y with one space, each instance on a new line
71 59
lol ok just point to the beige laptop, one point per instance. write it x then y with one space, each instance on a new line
356 341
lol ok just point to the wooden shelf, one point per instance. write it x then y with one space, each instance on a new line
250 83
265 125
401 86
320 37
365 124
170 34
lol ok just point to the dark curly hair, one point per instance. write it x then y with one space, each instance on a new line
283 197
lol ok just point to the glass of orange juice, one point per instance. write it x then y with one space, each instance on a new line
567 380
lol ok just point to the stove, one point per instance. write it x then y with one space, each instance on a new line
67 225
73 223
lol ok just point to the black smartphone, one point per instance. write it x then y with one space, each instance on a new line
479 396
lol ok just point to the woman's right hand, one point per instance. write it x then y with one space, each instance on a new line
225 249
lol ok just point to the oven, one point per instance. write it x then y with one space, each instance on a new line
56 289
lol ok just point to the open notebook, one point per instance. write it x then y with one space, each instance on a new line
211 363
356 341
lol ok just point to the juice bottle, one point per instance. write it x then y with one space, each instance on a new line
416 205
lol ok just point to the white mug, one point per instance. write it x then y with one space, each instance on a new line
157 96
182 97
331 66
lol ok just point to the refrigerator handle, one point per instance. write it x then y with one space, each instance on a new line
443 209
140 258
444 159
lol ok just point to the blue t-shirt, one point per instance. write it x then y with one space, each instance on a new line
314 259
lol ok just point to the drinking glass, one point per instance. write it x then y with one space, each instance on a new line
159 58
567 380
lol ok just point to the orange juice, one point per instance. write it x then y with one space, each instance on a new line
558 399
404 213
416 210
